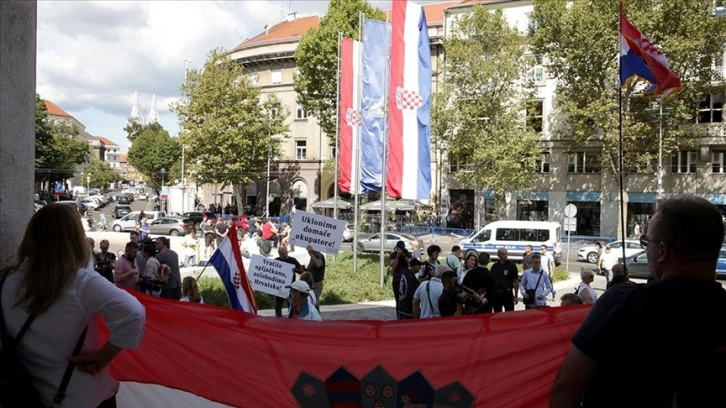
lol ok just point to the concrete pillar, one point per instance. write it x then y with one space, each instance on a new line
18 20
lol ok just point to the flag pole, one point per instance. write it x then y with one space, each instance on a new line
337 131
620 140
660 151
355 189
384 162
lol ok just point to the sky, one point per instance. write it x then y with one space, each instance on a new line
93 55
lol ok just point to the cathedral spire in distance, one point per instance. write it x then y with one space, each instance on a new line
135 116
154 111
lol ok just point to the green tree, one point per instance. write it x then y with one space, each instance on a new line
227 127
154 150
57 152
478 115
101 173
580 43
133 130
316 58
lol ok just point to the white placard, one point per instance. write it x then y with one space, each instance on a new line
270 275
570 224
324 234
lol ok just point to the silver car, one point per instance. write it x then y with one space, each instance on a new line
591 253
373 243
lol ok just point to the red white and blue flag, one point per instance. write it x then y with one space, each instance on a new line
227 260
639 57
409 104
349 117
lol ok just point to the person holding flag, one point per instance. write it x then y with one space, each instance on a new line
227 260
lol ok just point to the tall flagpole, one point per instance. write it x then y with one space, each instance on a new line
337 131
384 163
356 163
660 151
620 139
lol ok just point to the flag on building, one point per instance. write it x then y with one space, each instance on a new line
640 57
227 260
375 50
349 116
409 131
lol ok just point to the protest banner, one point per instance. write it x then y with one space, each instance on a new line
270 275
324 234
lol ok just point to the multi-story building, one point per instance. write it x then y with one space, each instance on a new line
565 176
112 153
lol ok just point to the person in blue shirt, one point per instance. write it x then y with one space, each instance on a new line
535 285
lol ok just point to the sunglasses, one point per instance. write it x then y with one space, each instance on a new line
644 242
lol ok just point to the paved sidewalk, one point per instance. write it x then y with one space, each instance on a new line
386 309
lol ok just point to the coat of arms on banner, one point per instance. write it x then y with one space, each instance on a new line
352 117
408 99
377 389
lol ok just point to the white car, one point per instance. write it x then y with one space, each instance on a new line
591 253
348 233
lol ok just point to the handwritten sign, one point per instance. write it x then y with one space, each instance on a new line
324 234
270 276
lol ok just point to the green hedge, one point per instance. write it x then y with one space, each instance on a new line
342 284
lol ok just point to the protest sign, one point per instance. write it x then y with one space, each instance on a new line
324 234
270 275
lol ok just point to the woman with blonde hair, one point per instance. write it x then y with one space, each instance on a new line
190 291
53 296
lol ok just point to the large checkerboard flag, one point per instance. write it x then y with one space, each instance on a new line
409 121
227 260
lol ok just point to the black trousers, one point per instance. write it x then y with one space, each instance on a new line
503 300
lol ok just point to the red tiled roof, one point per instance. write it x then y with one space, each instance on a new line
106 141
122 158
294 30
282 32
54 110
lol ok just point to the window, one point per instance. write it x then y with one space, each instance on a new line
718 164
276 76
253 78
543 164
484 236
507 234
535 111
684 162
532 24
536 71
583 162
300 113
710 110
333 152
301 149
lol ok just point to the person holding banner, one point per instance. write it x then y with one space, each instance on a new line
317 268
297 268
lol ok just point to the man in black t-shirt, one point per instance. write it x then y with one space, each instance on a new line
678 319
408 285
297 268
481 280
506 276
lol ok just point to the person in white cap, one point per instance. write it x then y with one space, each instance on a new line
301 307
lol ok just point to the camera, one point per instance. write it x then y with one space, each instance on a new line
150 284
470 293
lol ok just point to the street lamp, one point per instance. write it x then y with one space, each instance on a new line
161 193
271 114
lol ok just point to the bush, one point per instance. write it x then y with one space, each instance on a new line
560 274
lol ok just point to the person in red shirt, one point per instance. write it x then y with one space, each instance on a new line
269 233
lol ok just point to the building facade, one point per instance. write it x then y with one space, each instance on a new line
304 174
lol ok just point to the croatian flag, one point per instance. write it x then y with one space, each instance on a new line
409 136
639 52
227 260
349 116
375 50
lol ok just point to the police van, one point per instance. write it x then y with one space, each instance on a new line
514 235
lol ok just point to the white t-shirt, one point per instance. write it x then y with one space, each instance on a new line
585 287
186 299
190 250
52 336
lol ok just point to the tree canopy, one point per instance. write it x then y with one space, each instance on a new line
227 127
133 130
101 173
580 43
478 116
57 152
154 149
317 58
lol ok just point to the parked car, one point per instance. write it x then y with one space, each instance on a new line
638 264
373 243
125 199
198 216
172 226
143 196
128 222
591 254
348 232
120 210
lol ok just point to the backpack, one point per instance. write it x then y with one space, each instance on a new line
16 388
